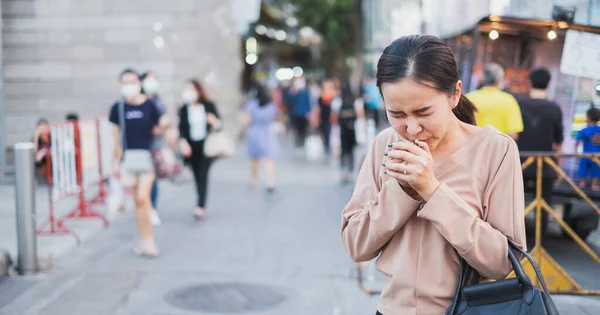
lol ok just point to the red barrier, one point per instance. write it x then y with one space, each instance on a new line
75 164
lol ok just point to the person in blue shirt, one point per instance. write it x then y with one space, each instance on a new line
587 167
300 109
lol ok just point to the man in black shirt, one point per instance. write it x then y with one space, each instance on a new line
542 132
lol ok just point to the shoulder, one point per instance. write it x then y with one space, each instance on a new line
182 109
115 105
523 100
507 96
495 147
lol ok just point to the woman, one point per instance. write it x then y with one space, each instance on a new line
197 117
434 186
150 88
261 140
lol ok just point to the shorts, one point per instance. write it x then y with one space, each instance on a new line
129 179
588 168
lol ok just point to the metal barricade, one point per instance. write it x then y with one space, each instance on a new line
557 279
62 176
75 164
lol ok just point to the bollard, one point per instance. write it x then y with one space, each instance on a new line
26 223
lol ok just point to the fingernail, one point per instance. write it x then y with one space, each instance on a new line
385 154
383 164
390 145
385 172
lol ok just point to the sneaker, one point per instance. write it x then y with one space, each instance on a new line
155 219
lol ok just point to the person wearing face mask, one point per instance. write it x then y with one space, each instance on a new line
197 117
135 119
434 187
150 87
300 108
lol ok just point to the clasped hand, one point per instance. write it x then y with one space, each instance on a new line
412 165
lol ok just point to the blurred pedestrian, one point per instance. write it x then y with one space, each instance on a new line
542 132
372 100
135 120
494 106
261 140
347 112
197 117
324 117
41 149
150 86
434 188
588 169
300 108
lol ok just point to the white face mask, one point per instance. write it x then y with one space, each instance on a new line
150 85
130 90
189 96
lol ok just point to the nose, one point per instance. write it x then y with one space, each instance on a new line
413 128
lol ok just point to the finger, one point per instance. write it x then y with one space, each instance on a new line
404 156
412 147
423 145
396 167
407 178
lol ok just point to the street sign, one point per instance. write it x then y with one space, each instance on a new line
581 55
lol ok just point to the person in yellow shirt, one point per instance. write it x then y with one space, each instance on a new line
494 106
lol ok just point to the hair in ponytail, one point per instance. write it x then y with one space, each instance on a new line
425 59
465 110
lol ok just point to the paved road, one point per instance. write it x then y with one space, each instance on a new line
287 244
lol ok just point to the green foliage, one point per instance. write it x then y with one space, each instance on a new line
339 24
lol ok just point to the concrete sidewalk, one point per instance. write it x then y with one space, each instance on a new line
255 254
49 247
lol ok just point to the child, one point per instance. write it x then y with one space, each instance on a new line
587 167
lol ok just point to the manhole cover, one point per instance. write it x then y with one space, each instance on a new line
226 298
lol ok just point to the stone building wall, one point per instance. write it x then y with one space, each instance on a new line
65 55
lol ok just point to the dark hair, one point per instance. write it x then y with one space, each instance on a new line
72 116
126 71
346 93
42 121
540 78
262 95
427 60
144 75
593 114
200 90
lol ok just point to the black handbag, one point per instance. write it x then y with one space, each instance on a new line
517 296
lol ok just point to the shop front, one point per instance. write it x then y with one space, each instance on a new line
568 51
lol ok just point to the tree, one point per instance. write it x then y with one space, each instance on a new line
339 22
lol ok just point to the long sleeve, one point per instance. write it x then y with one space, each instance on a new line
376 211
482 241
183 123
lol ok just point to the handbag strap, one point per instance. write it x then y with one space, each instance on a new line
121 105
538 273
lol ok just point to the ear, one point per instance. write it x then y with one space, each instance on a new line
457 93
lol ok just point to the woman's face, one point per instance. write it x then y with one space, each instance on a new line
189 95
417 111
44 129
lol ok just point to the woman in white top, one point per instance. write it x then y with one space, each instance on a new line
197 117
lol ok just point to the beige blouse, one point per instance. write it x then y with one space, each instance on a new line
479 203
